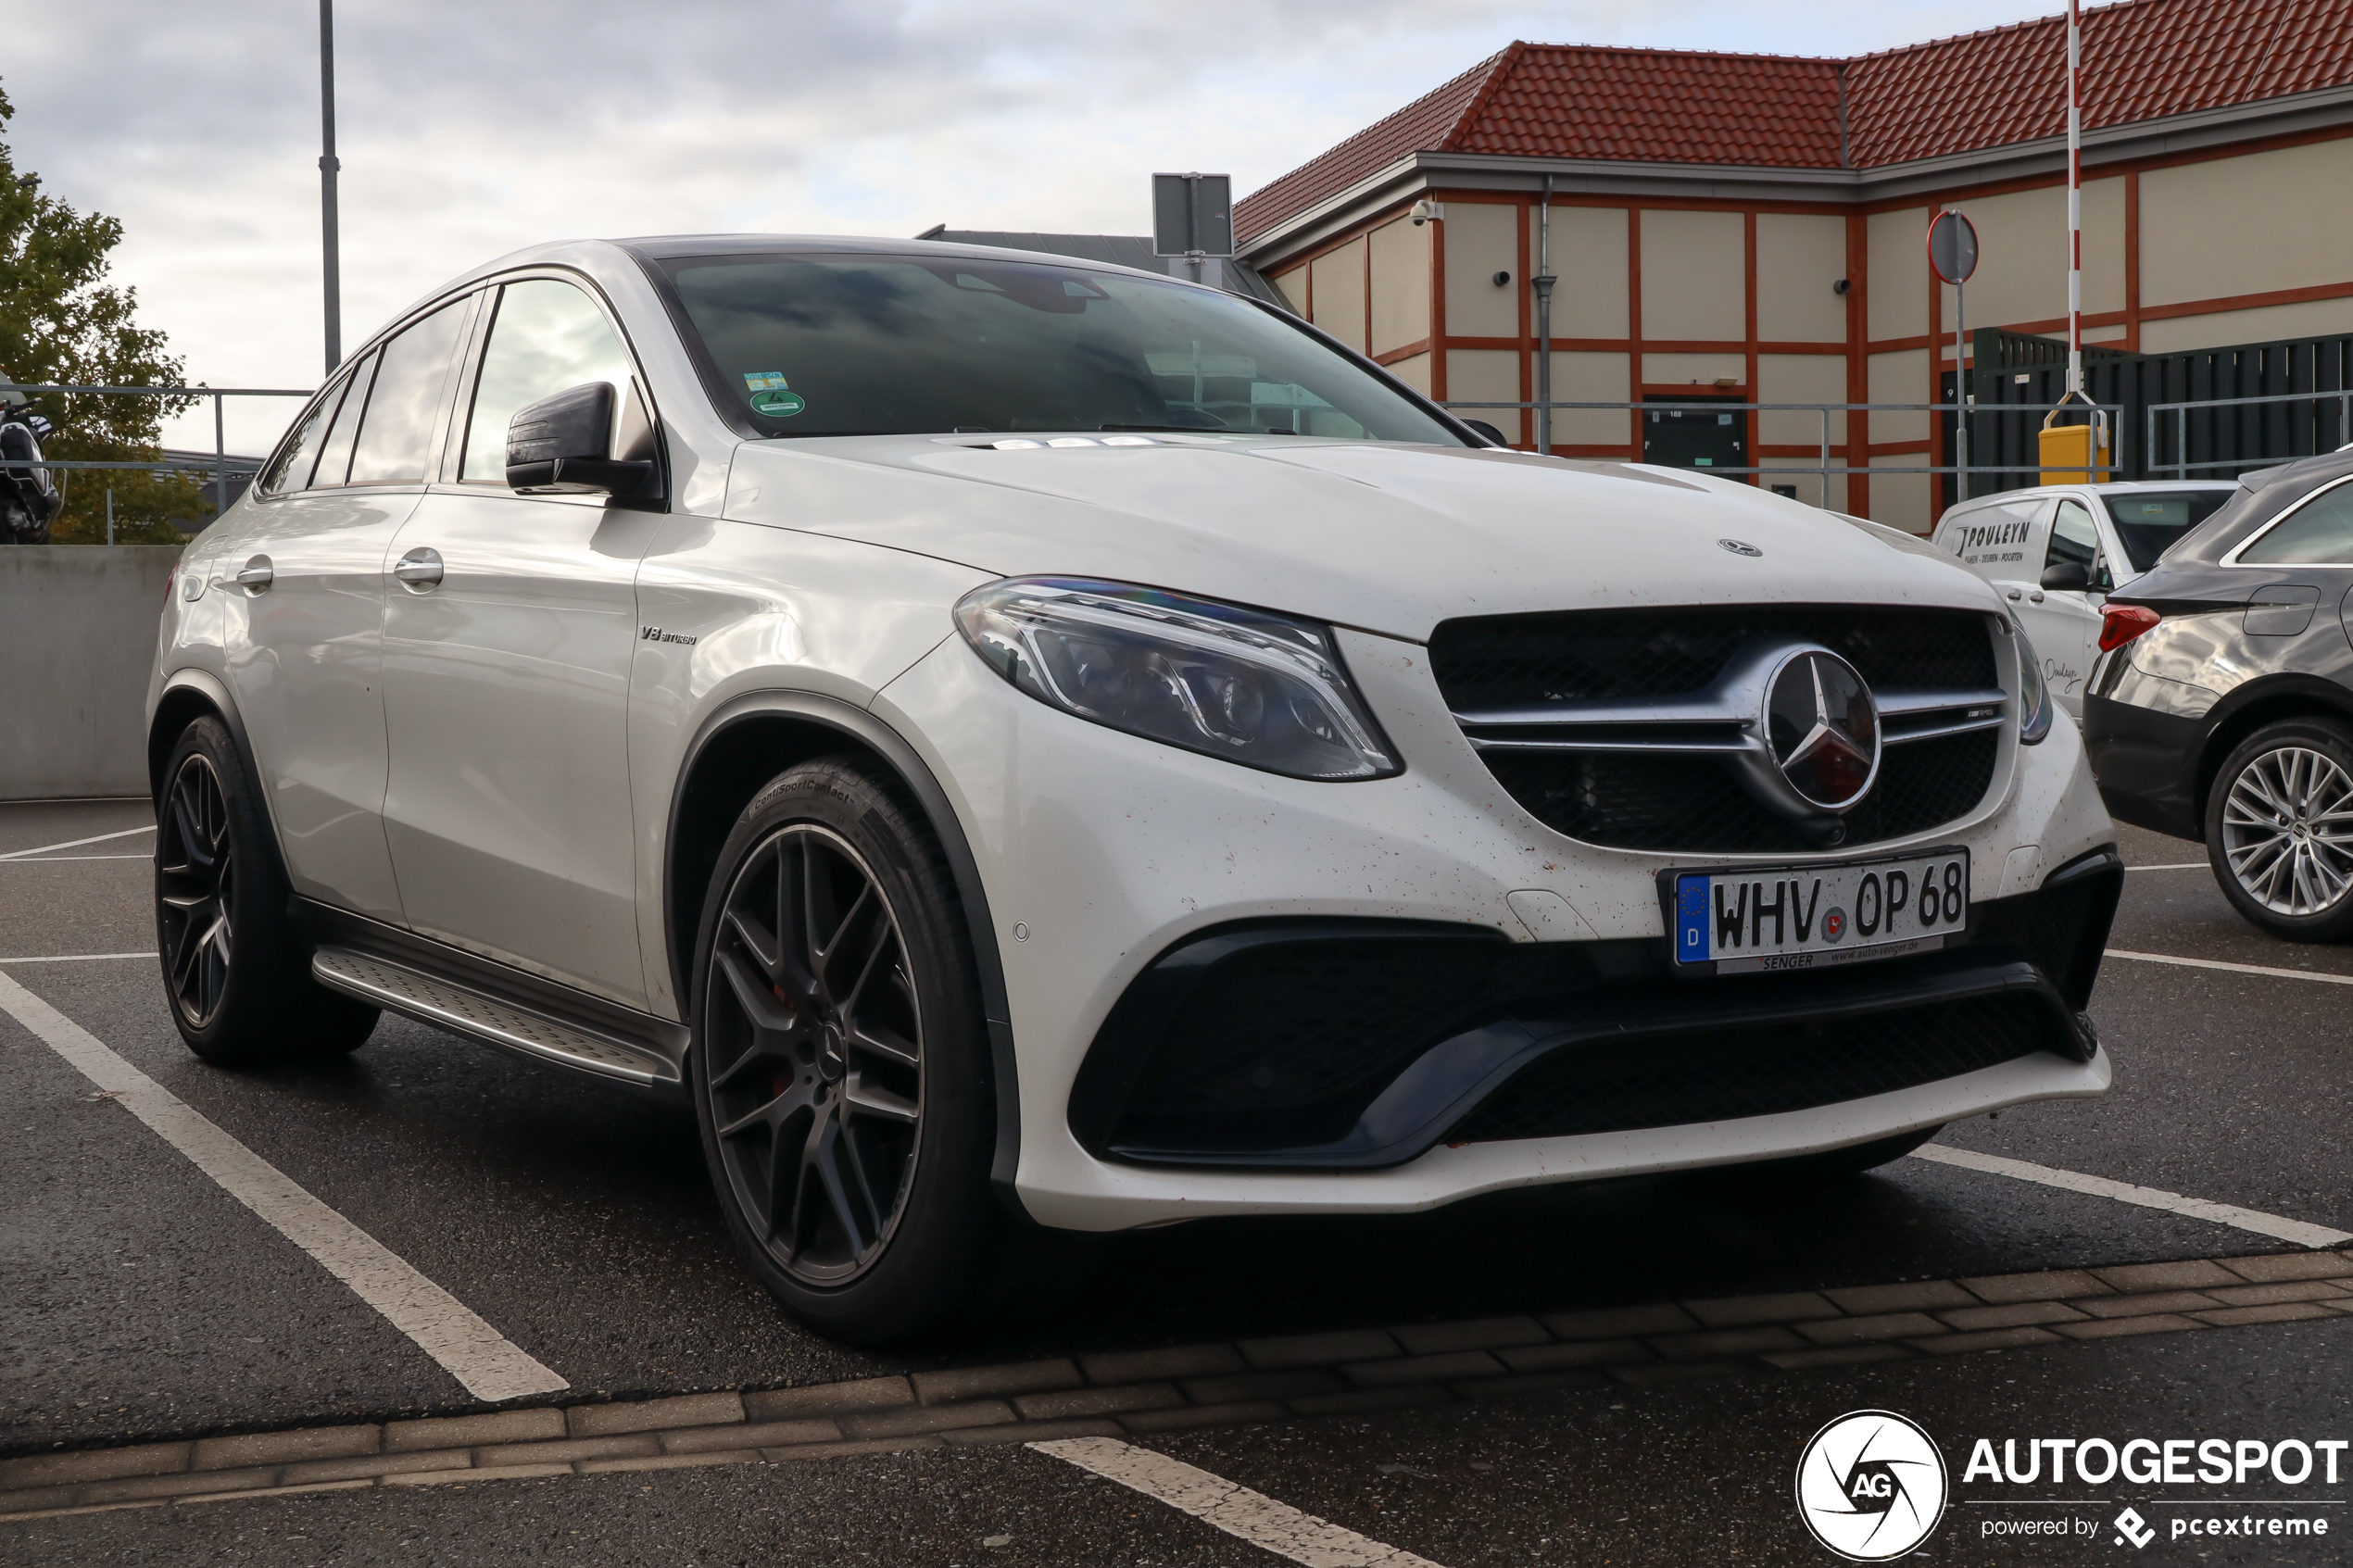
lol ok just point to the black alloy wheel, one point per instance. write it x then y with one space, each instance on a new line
814 1035
234 969
195 890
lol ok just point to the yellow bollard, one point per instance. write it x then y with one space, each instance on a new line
2067 454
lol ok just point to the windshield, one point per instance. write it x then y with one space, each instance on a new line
2148 522
899 345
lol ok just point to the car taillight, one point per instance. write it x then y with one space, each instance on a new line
2120 623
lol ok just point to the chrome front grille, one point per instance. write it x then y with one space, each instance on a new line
1616 727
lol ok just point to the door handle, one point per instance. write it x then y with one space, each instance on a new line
419 568
255 575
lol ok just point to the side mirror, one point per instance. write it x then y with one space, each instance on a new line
2067 576
1493 437
562 446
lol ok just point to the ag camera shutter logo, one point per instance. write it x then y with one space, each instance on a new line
1871 1486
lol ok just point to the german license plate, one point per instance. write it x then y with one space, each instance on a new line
1817 917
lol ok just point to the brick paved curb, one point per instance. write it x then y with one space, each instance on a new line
1146 1392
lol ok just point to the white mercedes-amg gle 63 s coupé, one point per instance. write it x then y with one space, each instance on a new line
1025 747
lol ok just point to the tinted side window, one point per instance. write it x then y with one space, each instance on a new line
2074 537
404 408
290 469
2319 533
548 336
334 457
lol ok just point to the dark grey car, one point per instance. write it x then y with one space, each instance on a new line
2222 708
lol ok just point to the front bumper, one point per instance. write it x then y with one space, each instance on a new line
1103 855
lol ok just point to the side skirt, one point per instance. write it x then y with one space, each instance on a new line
492 1003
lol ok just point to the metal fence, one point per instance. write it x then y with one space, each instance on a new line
2314 433
220 467
1974 414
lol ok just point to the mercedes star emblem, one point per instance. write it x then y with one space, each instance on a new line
1823 728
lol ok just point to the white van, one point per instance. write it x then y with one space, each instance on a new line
2056 553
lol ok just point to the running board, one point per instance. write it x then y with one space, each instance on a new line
447 1005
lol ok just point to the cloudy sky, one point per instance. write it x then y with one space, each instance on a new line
470 129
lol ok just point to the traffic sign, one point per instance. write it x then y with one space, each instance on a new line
1952 248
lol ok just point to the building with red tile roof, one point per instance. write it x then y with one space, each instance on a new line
1752 225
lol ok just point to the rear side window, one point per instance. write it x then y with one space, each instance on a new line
334 457
2319 533
2075 539
290 470
404 408
548 338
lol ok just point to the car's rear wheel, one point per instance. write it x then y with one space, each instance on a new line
2279 829
237 978
840 1064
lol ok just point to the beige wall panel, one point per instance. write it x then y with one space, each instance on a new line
1482 239
2268 323
1799 256
1485 375
1336 284
1901 377
1293 286
1896 251
1799 378
2021 267
2095 334
1589 257
1697 370
1591 378
1401 284
2247 225
1694 275
1414 371
1903 500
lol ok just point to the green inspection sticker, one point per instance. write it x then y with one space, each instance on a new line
778 404
763 381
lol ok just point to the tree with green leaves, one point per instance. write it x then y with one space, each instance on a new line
62 322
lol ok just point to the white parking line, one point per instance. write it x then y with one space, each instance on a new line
53 859
2255 1220
474 1352
2233 967
1236 1510
79 958
2176 866
75 843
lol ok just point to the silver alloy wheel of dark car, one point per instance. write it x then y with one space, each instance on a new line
814 1038
195 889
2287 831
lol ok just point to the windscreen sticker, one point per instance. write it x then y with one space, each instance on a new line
778 404
763 381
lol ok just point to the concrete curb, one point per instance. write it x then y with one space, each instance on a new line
1145 1392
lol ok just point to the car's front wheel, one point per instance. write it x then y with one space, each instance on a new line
840 1064
2279 829
237 974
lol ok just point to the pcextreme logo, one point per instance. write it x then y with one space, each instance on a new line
1871 1486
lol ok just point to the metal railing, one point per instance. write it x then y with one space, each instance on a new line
2181 466
218 468
1970 412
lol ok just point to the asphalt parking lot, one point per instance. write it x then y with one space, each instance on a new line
147 1306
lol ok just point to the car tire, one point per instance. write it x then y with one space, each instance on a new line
2280 857
840 1068
235 974
1833 1164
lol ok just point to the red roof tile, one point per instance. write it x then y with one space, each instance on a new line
2143 59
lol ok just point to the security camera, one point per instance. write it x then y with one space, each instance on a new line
1425 210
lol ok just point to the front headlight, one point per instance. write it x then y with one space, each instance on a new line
1258 689
2033 693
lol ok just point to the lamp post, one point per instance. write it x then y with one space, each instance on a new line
328 167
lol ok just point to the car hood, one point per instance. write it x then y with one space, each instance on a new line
1386 538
